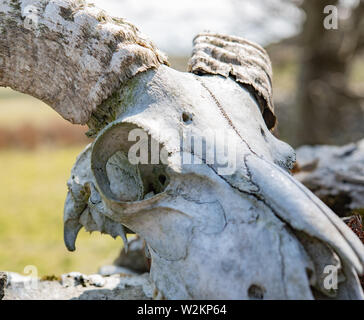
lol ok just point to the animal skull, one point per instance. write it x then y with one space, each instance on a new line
212 195
252 233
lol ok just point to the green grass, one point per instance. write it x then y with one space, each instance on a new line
32 193
16 107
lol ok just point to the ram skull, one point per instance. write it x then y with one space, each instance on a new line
184 159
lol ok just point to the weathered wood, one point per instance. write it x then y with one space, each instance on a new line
335 175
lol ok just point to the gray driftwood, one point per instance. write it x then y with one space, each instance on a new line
335 175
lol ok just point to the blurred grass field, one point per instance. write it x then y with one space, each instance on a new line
32 192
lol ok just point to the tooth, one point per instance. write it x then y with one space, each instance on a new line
72 226
71 230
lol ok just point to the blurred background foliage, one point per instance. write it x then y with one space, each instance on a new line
318 91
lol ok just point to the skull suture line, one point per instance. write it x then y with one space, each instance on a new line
212 234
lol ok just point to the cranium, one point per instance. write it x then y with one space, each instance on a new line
220 213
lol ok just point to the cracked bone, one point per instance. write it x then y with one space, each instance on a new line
244 229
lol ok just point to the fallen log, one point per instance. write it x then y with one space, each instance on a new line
335 174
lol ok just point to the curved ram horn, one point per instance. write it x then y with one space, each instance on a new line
247 62
69 54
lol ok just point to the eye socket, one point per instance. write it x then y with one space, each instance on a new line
186 117
119 179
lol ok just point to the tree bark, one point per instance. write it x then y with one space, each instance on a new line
328 112
335 175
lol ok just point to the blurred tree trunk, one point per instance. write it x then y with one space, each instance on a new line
329 113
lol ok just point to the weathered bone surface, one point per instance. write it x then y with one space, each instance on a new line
215 227
335 175
211 235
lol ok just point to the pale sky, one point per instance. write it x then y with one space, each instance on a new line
172 24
